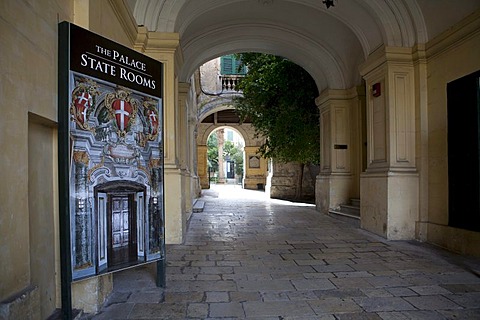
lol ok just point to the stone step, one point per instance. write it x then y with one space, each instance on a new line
352 219
355 202
198 206
350 210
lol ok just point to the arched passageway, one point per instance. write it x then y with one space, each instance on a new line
370 61
225 151
255 167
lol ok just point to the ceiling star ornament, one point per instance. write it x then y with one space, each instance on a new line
329 3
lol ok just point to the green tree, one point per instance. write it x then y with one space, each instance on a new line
279 99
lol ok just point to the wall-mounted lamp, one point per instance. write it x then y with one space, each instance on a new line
81 198
376 89
80 204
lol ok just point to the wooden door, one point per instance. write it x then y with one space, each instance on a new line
122 230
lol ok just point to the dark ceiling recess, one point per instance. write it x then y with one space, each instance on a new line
224 116
329 3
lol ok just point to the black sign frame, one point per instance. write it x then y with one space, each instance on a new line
82 53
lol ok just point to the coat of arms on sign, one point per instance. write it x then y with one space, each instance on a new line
123 109
152 118
83 102
114 125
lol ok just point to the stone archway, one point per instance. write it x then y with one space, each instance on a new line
386 45
255 167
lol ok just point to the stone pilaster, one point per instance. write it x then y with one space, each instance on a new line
255 168
184 146
390 185
221 141
202 166
340 147
164 47
196 189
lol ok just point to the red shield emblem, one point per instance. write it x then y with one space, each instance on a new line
123 111
82 103
153 120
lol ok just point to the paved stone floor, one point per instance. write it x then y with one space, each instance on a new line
249 257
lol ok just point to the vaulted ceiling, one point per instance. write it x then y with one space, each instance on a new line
329 43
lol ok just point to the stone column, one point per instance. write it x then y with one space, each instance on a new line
184 146
221 169
202 166
196 189
390 185
164 47
340 154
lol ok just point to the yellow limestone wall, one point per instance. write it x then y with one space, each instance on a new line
43 213
445 58
28 206
29 240
450 56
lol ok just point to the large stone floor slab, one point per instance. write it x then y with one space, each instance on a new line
249 257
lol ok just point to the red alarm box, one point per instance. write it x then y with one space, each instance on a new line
376 89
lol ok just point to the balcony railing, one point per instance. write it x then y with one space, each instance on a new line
229 82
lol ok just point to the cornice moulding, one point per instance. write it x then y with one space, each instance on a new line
455 36
157 41
126 19
339 94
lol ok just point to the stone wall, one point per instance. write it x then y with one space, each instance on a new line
28 204
29 231
282 180
451 56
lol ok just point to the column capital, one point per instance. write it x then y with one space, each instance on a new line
252 149
183 88
162 46
339 94
385 57
157 41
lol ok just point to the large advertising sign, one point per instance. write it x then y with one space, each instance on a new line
110 155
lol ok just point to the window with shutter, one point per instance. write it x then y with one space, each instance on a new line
229 65
226 64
